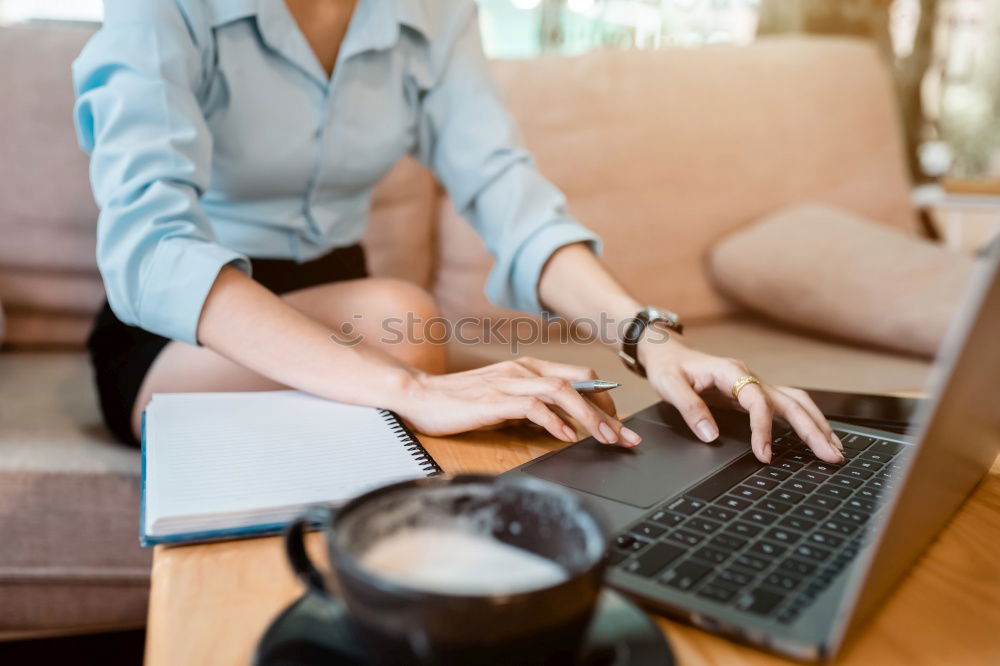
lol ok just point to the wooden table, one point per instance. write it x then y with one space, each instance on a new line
210 603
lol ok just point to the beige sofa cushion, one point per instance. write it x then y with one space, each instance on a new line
69 504
832 272
664 152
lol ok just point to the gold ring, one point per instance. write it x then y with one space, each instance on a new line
741 382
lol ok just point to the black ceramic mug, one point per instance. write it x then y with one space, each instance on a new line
399 624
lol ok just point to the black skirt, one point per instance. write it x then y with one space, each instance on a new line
122 354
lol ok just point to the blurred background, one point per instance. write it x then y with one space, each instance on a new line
944 56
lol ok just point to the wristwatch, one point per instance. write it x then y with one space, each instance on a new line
637 326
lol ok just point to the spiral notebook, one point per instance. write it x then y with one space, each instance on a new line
230 465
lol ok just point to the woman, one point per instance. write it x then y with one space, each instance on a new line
230 136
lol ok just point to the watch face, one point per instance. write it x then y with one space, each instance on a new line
667 316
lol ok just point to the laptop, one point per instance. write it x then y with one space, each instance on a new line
793 556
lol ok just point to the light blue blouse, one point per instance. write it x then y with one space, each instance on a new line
215 135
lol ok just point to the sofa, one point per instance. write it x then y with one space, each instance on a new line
662 153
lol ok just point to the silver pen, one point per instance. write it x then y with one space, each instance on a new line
594 386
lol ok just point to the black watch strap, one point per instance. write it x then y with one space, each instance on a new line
633 334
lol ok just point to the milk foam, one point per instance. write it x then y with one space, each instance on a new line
454 561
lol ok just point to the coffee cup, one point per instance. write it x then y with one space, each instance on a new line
471 570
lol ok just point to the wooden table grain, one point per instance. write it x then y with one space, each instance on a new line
210 603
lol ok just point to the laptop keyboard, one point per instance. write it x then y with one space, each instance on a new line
766 539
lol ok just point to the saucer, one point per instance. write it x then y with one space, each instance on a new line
313 631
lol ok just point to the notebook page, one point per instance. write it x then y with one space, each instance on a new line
218 453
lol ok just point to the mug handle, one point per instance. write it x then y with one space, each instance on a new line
295 547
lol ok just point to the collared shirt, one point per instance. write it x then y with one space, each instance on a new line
216 135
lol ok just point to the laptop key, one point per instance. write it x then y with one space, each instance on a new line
767 549
752 562
838 491
840 526
713 555
774 473
719 593
892 448
759 517
717 513
856 442
625 541
728 541
797 523
748 493
855 472
823 467
807 510
859 504
649 530
784 495
811 476
844 481
685 505
761 482
667 518
864 463
782 535
869 494
735 503
686 537
650 563
799 486
700 524
789 465
782 581
825 539
797 567
799 456
824 501
810 552
685 575
760 601
850 515
774 506
735 577
743 529
877 456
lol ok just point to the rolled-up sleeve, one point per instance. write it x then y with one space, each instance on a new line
138 116
470 141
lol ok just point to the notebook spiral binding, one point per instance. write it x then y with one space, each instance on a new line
411 443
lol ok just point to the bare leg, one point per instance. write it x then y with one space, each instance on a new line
183 368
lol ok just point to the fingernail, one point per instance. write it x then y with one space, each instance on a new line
607 433
570 433
706 431
631 437
836 442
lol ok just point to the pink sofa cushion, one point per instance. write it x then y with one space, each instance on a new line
828 271
664 152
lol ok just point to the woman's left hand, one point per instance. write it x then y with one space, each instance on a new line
679 373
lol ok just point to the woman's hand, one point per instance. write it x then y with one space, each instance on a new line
679 373
527 388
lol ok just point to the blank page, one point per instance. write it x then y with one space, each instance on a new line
210 454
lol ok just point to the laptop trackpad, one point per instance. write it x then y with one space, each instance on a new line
668 461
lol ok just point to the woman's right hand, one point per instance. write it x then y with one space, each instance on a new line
528 388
